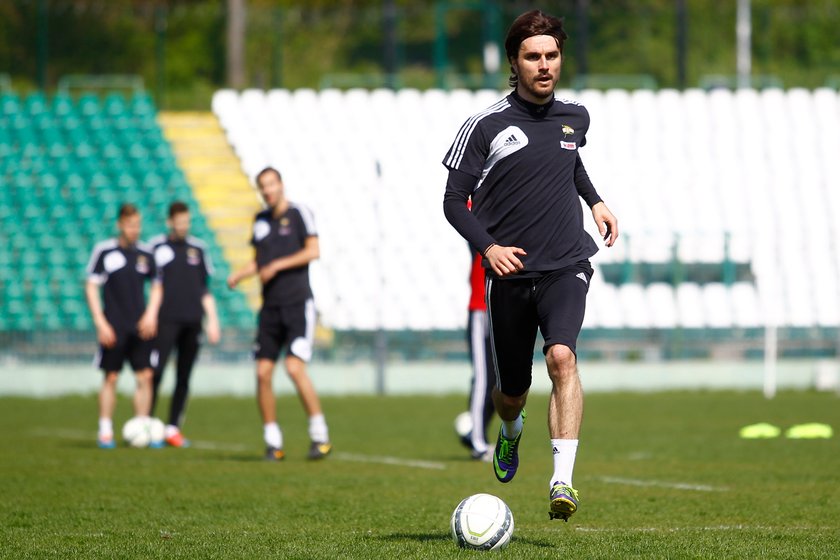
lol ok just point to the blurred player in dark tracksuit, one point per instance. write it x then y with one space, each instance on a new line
183 269
483 379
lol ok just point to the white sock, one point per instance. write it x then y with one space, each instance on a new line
318 428
170 430
272 435
564 460
106 427
513 428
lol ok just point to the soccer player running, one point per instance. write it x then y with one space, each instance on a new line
518 160
285 242
183 268
125 325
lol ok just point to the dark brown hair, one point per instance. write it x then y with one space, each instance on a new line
527 25
268 170
127 210
178 207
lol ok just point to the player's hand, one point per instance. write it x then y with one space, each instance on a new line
147 326
232 280
105 335
606 222
504 260
268 272
214 333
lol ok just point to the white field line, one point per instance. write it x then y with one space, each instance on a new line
712 528
216 446
662 484
384 460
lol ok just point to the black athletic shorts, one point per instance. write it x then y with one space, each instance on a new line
517 307
129 347
288 327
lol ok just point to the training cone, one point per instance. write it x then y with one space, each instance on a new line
762 430
814 430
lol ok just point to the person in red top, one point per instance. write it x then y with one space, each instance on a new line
481 407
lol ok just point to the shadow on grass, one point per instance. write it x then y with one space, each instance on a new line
533 542
417 537
427 537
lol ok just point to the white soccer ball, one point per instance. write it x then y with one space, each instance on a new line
463 424
136 432
156 432
482 522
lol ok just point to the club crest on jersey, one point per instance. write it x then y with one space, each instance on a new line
193 258
567 130
142 265
284 228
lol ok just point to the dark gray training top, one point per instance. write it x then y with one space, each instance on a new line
122 273
276 237
184 268
520 164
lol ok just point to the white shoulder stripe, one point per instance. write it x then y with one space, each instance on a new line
157 240
308 218
98 249
196 242
458 147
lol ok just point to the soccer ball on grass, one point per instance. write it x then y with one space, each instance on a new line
482 522
143 431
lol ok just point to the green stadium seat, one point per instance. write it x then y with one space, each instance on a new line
19 122
114 105
57 149
13 289
138 151
122 123
44 122
80 322
142 105
47 181
6 150
95 122
84 149
112 151
9 104
70 123
126 182
89 105
63 106
35 104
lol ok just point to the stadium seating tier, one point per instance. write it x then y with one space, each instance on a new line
65 167
725 199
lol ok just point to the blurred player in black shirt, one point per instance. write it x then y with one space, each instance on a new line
285 241
183 268
125 325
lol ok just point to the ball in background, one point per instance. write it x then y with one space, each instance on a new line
463 424
482 522
136 432
156 432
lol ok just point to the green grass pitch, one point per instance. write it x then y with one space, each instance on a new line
661 475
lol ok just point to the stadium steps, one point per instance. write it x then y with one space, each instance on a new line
219 185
